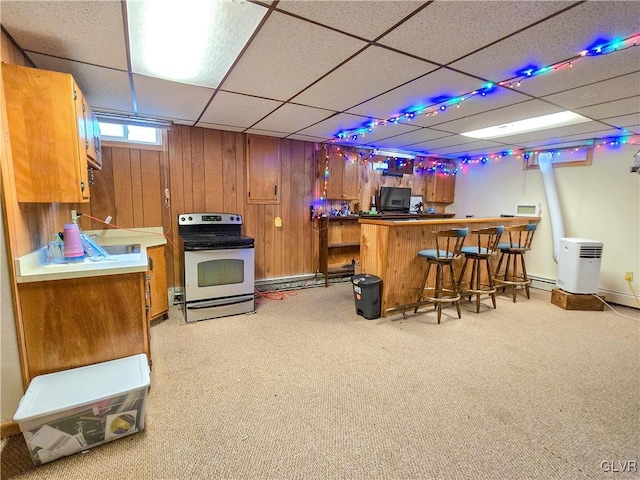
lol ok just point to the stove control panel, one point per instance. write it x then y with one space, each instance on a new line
209 219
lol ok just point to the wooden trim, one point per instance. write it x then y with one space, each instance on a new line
134 145
9 429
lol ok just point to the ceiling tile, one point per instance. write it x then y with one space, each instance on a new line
104 88
512 113
379 134
85 31
607 91
555 134
443 142
183 41
279 66
371 73
445 31
625 121
609 109
170 99
365 19
306 138
417 136
586 70
420 93
572 140
216 126
331 126
555 40
237 110
471 148
291 118
268 133
497 99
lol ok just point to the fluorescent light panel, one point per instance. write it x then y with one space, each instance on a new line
189 41
388 153
534 124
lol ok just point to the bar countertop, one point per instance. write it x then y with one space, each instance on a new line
389 249
438 221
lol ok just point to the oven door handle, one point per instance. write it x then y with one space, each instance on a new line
219 302
188 248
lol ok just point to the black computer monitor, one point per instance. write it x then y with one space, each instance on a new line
395 199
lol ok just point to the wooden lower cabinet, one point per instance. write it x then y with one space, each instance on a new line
75 322
157 286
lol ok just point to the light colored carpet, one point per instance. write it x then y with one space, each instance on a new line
305 388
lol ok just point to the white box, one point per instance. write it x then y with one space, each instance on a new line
71 411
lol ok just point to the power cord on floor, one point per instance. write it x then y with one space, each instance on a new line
634 292
615 311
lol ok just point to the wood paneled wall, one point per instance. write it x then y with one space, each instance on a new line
208 173
204 170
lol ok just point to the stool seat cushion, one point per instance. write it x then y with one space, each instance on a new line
474 250
508 246
433 253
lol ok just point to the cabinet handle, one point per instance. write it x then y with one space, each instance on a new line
82 186
275 190
150 263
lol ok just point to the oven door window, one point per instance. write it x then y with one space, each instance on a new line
226 271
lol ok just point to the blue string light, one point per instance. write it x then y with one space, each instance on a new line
441 104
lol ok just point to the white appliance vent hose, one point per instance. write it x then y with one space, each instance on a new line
553 202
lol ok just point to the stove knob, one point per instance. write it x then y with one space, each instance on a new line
190 218
182 219
231 218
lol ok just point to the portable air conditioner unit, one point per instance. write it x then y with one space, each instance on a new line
579 262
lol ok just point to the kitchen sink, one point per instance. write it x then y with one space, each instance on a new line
122 249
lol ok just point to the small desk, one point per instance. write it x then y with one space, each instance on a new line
389 249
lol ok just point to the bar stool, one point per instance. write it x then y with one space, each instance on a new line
520 238
448 249
482 251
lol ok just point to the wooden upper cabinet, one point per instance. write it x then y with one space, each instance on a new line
263 170
440 188
342 182
47 133
93 144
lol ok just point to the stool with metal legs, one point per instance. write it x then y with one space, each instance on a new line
520 238
448 250
483 249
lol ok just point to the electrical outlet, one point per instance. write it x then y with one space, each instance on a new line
628 276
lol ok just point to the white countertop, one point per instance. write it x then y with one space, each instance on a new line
33 268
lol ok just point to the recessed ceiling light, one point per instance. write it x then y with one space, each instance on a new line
544 122
190 41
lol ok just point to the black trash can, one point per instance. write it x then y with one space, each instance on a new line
367 295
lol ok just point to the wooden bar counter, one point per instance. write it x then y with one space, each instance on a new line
389 249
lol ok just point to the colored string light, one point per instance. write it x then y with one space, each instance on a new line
601 48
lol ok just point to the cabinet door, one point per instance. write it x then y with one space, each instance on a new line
342 183
81 321
159 300
94 149
45 122
440 188
263 170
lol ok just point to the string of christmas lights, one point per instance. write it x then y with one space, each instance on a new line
455 166
598 49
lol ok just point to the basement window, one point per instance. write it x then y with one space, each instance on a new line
563 157
125 133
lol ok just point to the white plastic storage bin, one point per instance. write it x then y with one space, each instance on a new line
66 412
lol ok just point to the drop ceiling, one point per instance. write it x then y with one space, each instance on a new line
315 69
